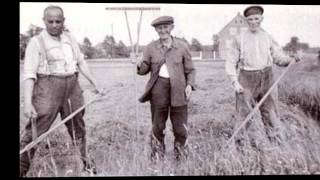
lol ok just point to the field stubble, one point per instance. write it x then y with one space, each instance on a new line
118 142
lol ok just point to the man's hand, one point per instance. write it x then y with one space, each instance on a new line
139 62
135 59
30 111
100 91
188 91
96 89
237 87
297 56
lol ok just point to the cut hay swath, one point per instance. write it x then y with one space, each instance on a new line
303 88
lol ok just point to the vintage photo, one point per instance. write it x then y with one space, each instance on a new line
149 89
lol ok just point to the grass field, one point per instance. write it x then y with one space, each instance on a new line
119 143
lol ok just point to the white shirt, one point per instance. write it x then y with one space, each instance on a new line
164 71
257 50
62 57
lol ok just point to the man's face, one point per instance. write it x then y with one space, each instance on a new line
54 21
164 30
254 22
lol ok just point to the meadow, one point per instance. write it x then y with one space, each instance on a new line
118 138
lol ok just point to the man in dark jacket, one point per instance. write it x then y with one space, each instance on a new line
169 88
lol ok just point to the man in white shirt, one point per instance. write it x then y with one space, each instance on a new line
253 53
52 62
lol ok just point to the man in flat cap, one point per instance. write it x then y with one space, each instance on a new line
249 65
172 79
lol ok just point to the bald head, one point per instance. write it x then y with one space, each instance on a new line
54 20
53 9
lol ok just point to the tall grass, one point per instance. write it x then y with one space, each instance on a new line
302 87
119 143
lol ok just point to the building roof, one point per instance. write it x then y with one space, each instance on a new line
238 16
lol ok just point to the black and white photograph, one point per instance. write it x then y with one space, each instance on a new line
155 89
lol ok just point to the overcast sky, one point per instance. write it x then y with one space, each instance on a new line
200 21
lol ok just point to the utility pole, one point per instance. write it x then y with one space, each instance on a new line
112 42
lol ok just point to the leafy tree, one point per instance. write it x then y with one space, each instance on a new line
122 50
184 40
87 49
100 51
109 45
24 40
216 42
34 30
294 45
195 45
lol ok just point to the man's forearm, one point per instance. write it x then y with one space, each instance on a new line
28 89
143 68
191 80
233 78
83 67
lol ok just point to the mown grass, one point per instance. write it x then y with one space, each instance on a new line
302 86
119 143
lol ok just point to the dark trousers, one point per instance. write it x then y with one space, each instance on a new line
256 85
160 110
53 95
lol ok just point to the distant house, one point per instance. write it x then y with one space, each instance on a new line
234 27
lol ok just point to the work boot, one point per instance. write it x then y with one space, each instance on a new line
23 172
157 149
180 152
89 166
25 161
24 165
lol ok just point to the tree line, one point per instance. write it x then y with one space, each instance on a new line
107 48
110 48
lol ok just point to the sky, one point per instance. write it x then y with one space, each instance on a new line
200 21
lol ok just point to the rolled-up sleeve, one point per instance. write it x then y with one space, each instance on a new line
232 58
32 60
278 55
189 69
146 62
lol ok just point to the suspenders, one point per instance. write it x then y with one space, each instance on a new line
241 46
44 54
241 57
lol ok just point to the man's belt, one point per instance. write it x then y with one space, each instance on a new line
58 75
258 70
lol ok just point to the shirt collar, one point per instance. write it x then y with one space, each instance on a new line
173 44
62 36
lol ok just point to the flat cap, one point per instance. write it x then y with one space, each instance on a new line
162 20
252 10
